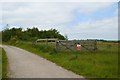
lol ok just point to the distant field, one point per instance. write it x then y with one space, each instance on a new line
102 63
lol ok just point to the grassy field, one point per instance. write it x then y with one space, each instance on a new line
3 64
102 63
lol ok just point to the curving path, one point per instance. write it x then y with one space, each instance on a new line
23 64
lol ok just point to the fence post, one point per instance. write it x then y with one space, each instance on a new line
95 45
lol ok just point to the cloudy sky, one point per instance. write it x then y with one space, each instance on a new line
77 20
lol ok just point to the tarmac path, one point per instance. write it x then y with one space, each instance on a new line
24 64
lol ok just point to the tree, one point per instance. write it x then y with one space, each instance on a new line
6 35
29 34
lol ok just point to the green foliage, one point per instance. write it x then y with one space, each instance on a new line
0 62
13 39
100 64
45 47
4 63
6 35
29 34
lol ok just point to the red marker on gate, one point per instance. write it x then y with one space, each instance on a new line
78 46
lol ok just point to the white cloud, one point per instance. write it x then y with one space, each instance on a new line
39 13
88 7
59 0
106 28
46 13
52 15
0 16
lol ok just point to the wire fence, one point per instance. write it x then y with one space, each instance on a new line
67 45
71 45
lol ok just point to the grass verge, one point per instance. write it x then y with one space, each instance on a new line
100 64
4 63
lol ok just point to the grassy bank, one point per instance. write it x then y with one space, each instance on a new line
4 63
0 63
100 64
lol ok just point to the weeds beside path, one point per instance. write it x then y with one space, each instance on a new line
24 64
4 63
100 64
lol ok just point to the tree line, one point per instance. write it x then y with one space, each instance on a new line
29 34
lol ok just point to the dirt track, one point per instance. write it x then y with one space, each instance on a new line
23 64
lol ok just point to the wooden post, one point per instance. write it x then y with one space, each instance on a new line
95 45
57 45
